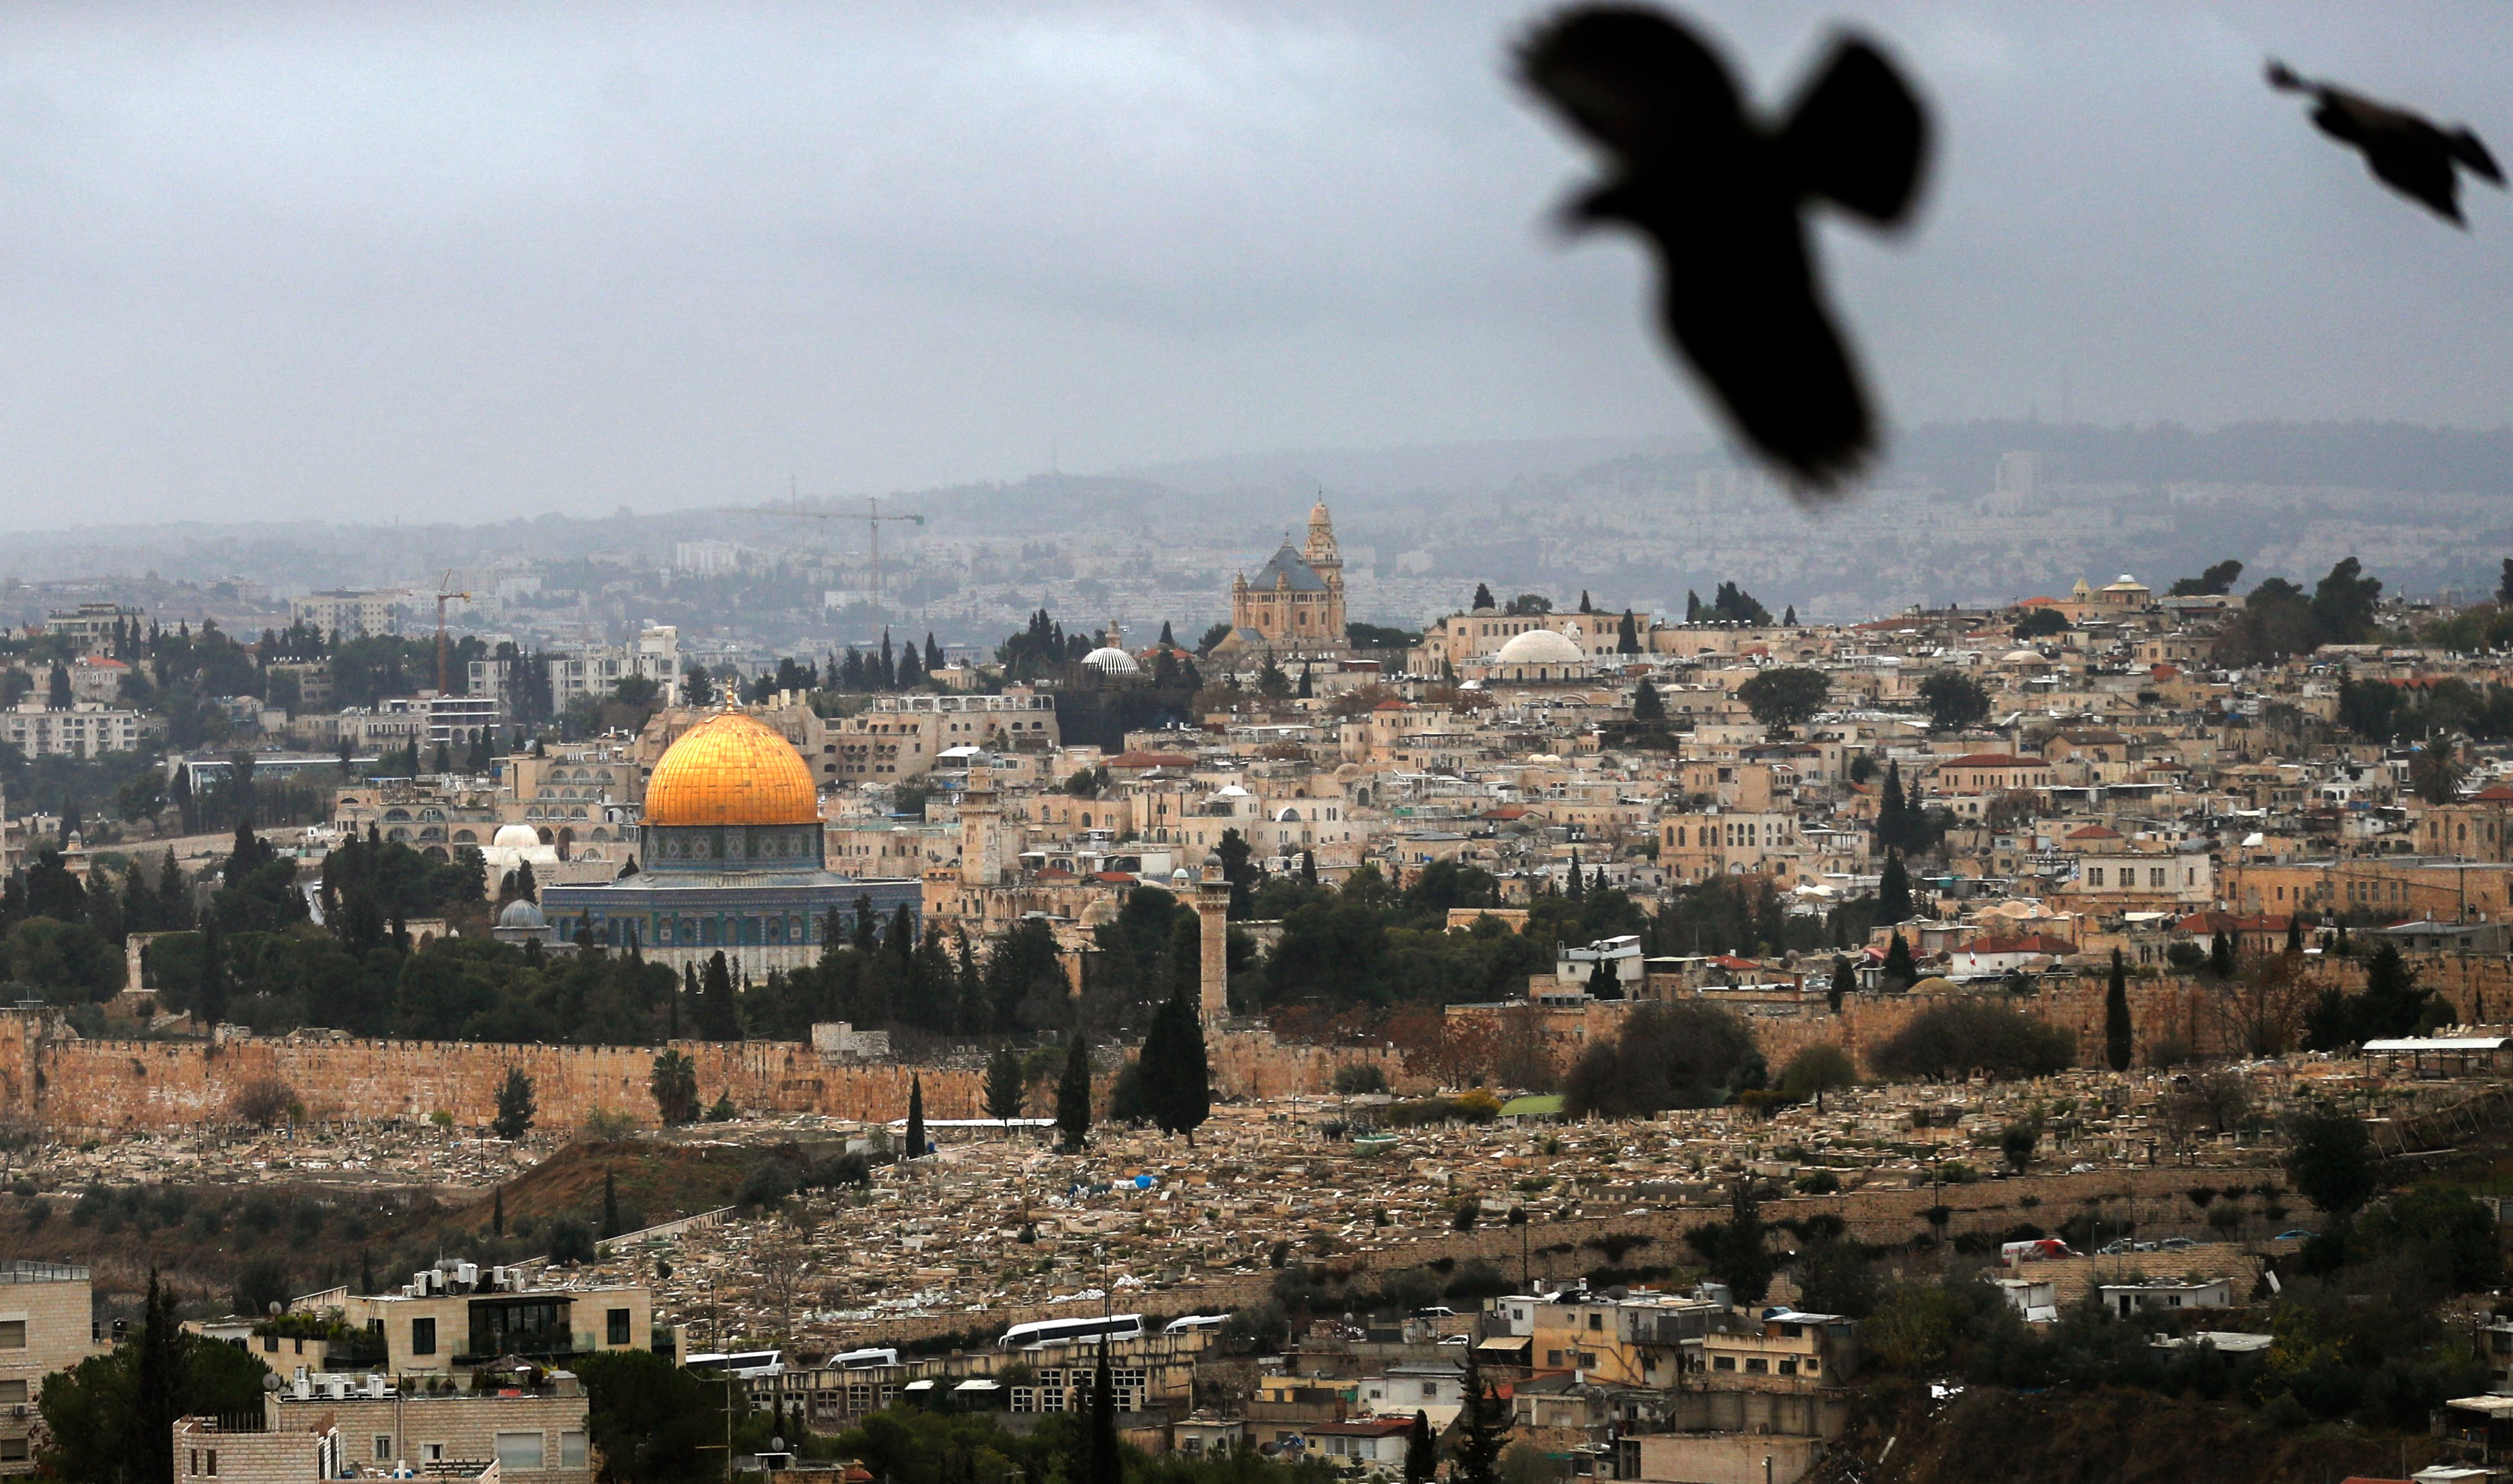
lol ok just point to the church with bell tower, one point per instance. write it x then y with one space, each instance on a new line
1293 607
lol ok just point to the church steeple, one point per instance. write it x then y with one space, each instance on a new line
1320 552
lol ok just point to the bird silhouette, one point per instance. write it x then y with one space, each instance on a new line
1718 196
2404 150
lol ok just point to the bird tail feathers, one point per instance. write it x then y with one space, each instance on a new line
2466 148
1859 136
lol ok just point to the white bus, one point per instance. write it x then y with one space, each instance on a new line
1021 1337
865 1360
1188 1324
747 1365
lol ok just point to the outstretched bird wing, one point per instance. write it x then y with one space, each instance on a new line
1859 136
2403 149
1631 79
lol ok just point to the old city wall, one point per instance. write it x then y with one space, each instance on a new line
50 1077
103 1086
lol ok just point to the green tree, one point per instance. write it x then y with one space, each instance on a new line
2215 582
2342 604
1786 697
1176 1076
2117 1036
1421 1454
1961 1037
1816 1071
1844 982
1894 892
1483 1429
515 1106
915 1141
2435 773
1073 1096
674 1083
1900 969
1733 1250
2221 955
2331 1160
1102 1462
1007 1085
1646 704
1954 700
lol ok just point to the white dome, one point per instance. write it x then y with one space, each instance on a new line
1112 660
515 837
522 912
1539 646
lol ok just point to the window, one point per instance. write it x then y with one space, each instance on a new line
384 1447
12 1392
519 1451
212 1458
1430 1390
422 1337
618 1326
1788 1368
1723 1362
1757 1366
571 1450
13 1334
1596 1321
13 1449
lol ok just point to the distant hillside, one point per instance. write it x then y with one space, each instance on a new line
2366 456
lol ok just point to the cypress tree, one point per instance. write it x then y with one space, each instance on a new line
1073 1096
1845 980
210 1000
2221 955
1790 619
1898 963
1627 635
1646 704
2116 1027
158 1382
2294 933
1421 1455
610 1203
933 654
916 1117
1894 892
1176 1078
496 1214
1310 868
719 1019
1101 1462
1006 1088
1483 1430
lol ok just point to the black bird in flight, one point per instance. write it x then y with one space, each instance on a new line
1717 194
2402 151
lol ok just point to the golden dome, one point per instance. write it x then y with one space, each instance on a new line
731 770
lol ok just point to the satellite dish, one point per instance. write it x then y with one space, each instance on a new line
270 1381
274 1309
776 1445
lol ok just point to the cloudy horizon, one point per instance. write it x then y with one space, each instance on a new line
466 262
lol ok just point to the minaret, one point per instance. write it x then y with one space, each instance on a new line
981 815
1213 948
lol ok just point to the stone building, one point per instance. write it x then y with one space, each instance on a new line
1294 607
45 1326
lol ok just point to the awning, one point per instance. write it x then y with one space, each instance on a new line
1505 1344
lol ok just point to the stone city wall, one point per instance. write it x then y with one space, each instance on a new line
105 1086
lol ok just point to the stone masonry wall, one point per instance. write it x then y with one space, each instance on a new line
103 1086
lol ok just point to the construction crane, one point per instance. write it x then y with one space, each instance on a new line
871 517
443 592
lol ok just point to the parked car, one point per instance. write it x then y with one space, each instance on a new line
2175 1244
2299 1234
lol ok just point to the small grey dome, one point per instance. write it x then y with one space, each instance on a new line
522 912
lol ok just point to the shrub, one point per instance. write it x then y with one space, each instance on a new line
264 1102
571 1241
1360 1077
1965 1036
767 1184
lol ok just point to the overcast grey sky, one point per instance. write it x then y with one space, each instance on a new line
474 262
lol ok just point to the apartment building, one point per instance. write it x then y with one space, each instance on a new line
84 729
458 1316
47 1324
89 627
594 671
903 736
247 1450
1697 846
530 1434
347 613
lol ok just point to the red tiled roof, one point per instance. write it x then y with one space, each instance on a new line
2031 943
1393 705
1992 760
2492 793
